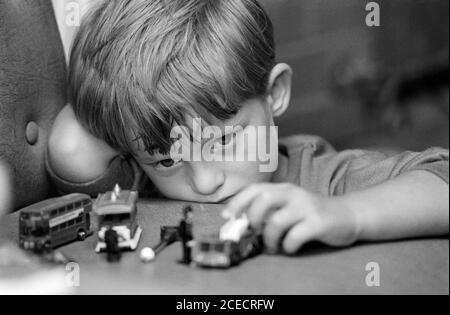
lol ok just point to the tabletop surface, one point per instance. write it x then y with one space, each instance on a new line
406 267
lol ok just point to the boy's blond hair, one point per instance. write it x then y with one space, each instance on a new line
138 66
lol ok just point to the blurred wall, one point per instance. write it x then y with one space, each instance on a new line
313 37
341 64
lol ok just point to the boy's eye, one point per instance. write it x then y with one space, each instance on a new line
226 139
168 163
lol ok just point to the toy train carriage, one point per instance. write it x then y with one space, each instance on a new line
117 211
213 252
55 222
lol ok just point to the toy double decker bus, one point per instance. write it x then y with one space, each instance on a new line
55 222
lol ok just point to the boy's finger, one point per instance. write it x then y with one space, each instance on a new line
263 205
297 237
242 201
278 225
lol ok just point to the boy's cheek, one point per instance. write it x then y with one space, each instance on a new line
244 174
157 179
172 188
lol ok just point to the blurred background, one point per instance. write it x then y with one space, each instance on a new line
357 86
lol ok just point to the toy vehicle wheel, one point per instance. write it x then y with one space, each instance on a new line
81 235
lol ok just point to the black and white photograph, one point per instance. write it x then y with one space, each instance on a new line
224 155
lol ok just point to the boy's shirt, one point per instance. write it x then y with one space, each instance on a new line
316 166
312 164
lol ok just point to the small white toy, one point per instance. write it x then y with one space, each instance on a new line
147 255
234 229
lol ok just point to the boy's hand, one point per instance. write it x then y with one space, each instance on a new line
291 216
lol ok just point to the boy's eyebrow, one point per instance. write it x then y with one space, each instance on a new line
150 159
238 120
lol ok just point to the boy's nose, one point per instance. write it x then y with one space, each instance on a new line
206 179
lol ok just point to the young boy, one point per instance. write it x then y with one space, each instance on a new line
141 70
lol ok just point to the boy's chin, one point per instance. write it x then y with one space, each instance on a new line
211 199
204 200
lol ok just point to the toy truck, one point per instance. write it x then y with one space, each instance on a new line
236 242
117 213
55 222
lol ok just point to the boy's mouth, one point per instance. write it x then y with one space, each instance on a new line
226 199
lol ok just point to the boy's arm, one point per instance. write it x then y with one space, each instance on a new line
411 205
73 153
415 204
350 196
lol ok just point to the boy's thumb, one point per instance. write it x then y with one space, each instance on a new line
297 237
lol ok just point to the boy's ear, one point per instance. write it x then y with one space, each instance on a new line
279 89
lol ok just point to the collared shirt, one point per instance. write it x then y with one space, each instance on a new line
316 166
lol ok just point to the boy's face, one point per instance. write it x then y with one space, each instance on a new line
215 171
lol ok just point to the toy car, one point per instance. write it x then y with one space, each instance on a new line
236 242
212 252
117 212
55 222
